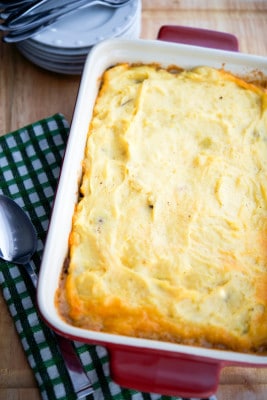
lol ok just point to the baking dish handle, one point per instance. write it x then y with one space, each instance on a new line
165 373
198 37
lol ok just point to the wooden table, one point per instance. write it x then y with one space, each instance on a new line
28 93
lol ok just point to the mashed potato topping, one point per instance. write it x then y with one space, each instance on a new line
169 238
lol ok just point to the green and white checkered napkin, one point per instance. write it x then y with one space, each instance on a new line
30 160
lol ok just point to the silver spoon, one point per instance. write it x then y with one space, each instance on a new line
18 242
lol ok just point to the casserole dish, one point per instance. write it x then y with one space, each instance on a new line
146 365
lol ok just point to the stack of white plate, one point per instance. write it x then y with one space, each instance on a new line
63 46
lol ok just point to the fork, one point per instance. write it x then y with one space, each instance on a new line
9 7
44 10
37 17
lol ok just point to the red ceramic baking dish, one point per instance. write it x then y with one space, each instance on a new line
146 365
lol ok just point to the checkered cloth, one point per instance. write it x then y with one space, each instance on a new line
30 161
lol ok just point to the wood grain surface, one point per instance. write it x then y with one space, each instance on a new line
28 93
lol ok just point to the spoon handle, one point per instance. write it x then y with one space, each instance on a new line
79 379
32 274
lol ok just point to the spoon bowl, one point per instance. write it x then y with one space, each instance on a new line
18 238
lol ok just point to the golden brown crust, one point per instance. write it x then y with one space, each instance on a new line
169 237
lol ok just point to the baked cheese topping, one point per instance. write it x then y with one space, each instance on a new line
169 238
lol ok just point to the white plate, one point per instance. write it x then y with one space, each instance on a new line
35 46
71 60
88 26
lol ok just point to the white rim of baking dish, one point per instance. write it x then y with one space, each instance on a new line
100 58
